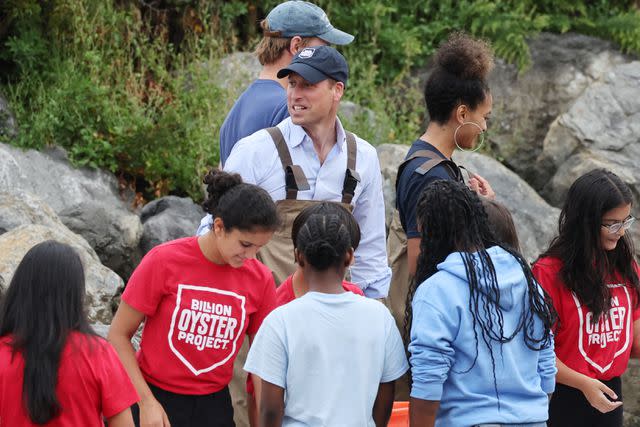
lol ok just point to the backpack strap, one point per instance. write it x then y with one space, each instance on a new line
295 179
351 177
431 161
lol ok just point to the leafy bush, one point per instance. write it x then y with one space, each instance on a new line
122 85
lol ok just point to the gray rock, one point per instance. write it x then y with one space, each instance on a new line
22 208
601 129
86 200
526 104
101 283
8 124
535 220
390 156
630 391
168 218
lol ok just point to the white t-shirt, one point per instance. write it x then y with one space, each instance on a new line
330 352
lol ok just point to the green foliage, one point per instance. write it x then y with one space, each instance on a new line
123 84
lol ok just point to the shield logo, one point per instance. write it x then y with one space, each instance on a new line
585 341
205 327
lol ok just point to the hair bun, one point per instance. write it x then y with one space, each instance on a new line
465 57
218 183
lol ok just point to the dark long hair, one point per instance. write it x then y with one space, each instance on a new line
585 264
452 219
43 304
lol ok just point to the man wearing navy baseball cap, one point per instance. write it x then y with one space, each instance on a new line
309 157
288 28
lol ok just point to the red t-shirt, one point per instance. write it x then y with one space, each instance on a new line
285 294
197 314
598 349
91 383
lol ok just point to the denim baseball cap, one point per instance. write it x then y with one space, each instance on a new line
318 63
304 19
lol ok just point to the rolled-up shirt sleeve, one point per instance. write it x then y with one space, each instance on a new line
432 355
371 270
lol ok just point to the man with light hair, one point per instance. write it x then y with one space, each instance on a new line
287 29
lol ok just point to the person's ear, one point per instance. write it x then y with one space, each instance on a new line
338 91
218 227
461 113
299 257
350 258
295 45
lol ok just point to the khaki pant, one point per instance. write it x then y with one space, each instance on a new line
400 281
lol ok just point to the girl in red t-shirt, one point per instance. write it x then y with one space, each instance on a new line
590 273
198 298
54 370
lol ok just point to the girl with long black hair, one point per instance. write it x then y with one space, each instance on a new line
54 370
480 346
591 275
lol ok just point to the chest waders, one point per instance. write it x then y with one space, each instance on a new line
397 249
278 253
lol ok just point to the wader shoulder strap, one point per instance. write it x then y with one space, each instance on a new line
431 161
351 177
295 179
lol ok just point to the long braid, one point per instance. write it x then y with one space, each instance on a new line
452 219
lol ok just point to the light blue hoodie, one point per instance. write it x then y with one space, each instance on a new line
443 350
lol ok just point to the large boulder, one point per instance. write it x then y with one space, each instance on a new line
86 200
102 284
601 129
526 104
21 208
535 220
168 218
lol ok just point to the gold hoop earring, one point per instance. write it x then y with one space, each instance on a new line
482 134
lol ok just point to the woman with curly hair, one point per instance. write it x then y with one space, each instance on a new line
477 323
459 104
591 275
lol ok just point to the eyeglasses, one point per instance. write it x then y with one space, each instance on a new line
616 226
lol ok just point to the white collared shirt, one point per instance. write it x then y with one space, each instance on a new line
256 159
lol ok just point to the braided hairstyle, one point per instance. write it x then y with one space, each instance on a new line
452 219
327 208
239 205
585 264
324 241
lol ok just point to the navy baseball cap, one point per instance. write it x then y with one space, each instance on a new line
318 63
304 19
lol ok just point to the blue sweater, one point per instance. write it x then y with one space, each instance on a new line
443 349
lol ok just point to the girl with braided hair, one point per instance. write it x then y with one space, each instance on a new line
591 275
335 354
477 324
198 298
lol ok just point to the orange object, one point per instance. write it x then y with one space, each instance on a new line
399 415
